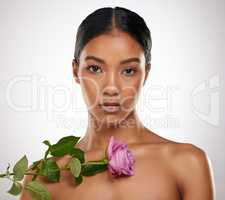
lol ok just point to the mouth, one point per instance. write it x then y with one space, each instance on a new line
110 107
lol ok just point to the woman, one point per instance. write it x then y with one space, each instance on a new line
111 64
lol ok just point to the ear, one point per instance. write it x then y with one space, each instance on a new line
75 66
146 73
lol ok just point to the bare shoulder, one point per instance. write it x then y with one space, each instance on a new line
185 157
193 170
183 152
177 151
187 154
189 164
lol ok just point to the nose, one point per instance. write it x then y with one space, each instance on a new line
111 88
110 91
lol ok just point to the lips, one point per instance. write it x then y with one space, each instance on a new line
110 104
110 107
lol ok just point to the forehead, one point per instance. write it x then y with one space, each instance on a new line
114 46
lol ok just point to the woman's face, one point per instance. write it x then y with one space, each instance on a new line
111 70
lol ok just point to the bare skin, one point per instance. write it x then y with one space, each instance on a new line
164 169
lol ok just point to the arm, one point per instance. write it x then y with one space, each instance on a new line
194 173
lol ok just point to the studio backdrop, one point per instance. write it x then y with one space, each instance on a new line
182 100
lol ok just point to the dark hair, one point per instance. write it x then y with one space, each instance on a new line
104 20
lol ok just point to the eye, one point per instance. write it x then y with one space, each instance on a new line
93 67
129 70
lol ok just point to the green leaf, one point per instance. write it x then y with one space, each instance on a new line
78 153
20 168
50 169
15 189
63 146
46 142
69 138
91 168
75 167
38 191
78 179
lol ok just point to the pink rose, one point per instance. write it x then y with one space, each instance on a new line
120 159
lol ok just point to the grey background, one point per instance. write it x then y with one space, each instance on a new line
184 94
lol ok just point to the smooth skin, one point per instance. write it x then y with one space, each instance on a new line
164 169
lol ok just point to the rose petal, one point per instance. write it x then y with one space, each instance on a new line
121 160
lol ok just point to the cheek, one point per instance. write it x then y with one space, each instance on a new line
132 86
128 96
90 91
130 93
132 90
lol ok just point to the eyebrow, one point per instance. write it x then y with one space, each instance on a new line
134 59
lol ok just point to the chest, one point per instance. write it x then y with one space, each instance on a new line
152 181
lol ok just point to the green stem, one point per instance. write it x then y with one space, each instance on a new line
46 154
10 174
97 162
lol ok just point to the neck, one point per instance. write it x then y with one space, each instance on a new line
129 130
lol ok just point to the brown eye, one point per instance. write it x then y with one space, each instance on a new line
93 68
129 71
